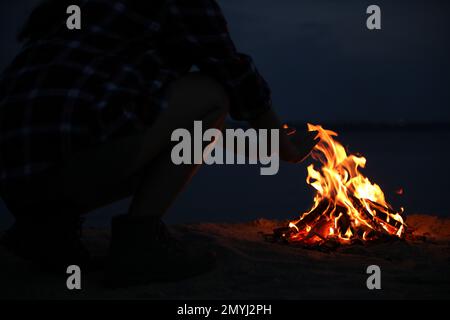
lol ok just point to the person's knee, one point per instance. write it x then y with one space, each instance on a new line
202 92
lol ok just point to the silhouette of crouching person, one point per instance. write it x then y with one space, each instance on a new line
69 145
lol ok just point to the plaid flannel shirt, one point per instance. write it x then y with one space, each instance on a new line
72 89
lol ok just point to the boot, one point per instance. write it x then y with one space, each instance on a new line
143 251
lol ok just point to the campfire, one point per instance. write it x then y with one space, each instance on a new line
347 207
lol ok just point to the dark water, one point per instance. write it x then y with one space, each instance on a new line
418 162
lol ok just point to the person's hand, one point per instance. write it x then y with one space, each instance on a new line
296 146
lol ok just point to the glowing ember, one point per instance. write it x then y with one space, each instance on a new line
347 206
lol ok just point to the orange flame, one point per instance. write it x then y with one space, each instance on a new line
347 206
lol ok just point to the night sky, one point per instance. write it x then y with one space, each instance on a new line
321 61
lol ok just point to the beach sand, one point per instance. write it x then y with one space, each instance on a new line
251 268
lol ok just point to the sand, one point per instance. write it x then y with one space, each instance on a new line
251 268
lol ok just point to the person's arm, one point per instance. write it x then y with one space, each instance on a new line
198 30
295 145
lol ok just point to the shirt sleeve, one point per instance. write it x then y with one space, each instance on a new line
199 30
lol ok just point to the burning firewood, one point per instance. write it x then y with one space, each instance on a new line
347 208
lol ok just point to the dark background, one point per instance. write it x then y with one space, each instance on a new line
325 66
